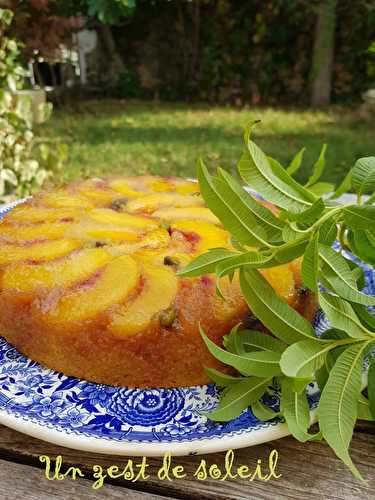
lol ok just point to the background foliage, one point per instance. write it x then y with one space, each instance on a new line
25 162
258 51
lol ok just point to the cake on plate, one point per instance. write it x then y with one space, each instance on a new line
89 287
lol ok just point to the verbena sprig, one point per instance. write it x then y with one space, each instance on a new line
306 227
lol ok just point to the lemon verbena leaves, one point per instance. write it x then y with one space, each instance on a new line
281 319
256 171
338 410
304 225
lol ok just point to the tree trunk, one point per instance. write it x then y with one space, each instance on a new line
321 72
116 63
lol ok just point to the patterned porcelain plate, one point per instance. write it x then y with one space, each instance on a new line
120 421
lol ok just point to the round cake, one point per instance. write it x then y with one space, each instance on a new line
89 287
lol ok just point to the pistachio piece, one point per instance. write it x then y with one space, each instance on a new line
250 321
302 290
118 204
167 317
166 226
171 261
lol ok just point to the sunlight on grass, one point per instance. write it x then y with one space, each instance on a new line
108 137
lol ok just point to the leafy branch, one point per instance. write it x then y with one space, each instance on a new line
307 225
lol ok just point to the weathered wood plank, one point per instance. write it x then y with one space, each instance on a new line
308 470
19 481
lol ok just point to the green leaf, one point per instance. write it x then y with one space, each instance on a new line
221 379
364 411
12 83
328 232
367 319
206 263
358 274
262 412
342 316
289 234
295 409
310 264
362 244
238 397
296 162
251 258
344 187
254 340
334 334
371 199
283 175
265 218
259 364
318 167
363 175
6 16
338 403
303 358
340 277
256 170
232 211
323 372
371 386
300 384
321 188
282 320
295 249
360 217
232 342
310 215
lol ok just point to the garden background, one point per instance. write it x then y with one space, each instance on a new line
150 85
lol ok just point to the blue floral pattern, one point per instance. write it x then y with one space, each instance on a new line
69 405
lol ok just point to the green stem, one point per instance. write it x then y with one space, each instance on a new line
342 232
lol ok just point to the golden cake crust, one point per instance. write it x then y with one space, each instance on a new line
88 282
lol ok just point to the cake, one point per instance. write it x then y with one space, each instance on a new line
89 287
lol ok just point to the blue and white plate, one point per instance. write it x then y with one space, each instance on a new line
78 414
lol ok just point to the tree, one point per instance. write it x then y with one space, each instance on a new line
321 73
108 13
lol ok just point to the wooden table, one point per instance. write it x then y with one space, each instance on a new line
308 471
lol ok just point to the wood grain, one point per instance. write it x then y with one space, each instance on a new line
23 482
308 470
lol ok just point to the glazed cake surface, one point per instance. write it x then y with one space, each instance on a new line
89 287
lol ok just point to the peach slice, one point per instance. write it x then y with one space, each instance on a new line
65 200
108 216
37 252
118 279
152 202
282 280
187 187
157 239
99 196
196 213
124 188
62 273
202 234
111 234
158 293
39 214
49 231
159 185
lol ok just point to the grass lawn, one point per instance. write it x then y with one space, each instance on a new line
106 137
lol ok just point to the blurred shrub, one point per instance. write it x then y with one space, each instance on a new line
241 51
25 162
129 87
